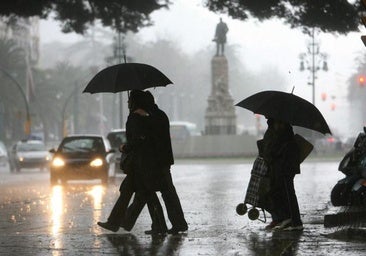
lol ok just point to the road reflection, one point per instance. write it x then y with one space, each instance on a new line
96 192
59 206
130 245
57 209
275 243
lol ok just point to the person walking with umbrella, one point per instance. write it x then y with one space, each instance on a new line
283 151
282 156
119 78
142 179
164 159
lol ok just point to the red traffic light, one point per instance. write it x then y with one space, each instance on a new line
324 96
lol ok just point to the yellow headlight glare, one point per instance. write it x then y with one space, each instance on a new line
58 162
96 162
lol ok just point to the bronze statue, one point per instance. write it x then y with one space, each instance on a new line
220 37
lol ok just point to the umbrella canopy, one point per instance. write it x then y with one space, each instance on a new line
286 107
125 77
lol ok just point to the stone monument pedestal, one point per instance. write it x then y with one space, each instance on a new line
220 117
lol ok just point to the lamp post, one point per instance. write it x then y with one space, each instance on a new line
119 53
313 60
119 56
27 126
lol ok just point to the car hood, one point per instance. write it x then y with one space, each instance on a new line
78 156
33 154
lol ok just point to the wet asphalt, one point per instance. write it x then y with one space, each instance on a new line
38 219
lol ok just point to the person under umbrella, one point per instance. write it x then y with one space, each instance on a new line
164 159
282 155
141 180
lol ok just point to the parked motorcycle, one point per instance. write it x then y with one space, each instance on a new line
351 190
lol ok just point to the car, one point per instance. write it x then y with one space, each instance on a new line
181 130
117 137
3 154
29 154
328 144
81 157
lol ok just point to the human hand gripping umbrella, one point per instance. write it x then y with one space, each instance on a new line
286 107
126 77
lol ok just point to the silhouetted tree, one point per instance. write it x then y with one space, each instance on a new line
339 16
78 15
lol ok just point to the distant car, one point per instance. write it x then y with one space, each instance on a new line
3 154
328 144
180 130
116 138
29 154
81 157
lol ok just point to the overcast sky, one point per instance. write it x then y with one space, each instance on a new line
262 45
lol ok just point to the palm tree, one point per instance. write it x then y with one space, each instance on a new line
55 97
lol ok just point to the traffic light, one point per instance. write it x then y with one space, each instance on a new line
324 96
361 80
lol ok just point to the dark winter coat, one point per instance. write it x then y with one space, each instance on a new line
281 153
142 146
161 132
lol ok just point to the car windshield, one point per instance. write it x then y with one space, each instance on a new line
26 147
116 139
82 145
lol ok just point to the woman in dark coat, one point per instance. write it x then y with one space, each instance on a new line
282 155
142 179
141 145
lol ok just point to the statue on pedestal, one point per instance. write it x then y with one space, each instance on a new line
220 37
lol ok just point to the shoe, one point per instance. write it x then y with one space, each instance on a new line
282 225
294 228
125 227
109 226
174 231
271 225
155 232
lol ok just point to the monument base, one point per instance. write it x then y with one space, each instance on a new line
220 118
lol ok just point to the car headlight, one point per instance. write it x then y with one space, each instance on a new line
58 162
21 159
96 162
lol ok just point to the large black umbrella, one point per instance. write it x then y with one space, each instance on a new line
125 77
286 107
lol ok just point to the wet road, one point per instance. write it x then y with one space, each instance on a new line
38 219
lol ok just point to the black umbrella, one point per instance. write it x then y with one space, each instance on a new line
125 77
286 107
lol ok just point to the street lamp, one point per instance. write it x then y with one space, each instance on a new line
313 61
64 128
27 126
119 51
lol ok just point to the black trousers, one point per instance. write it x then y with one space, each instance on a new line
156 211
117 214
171 201
284 201
172 204
125 216
290 202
